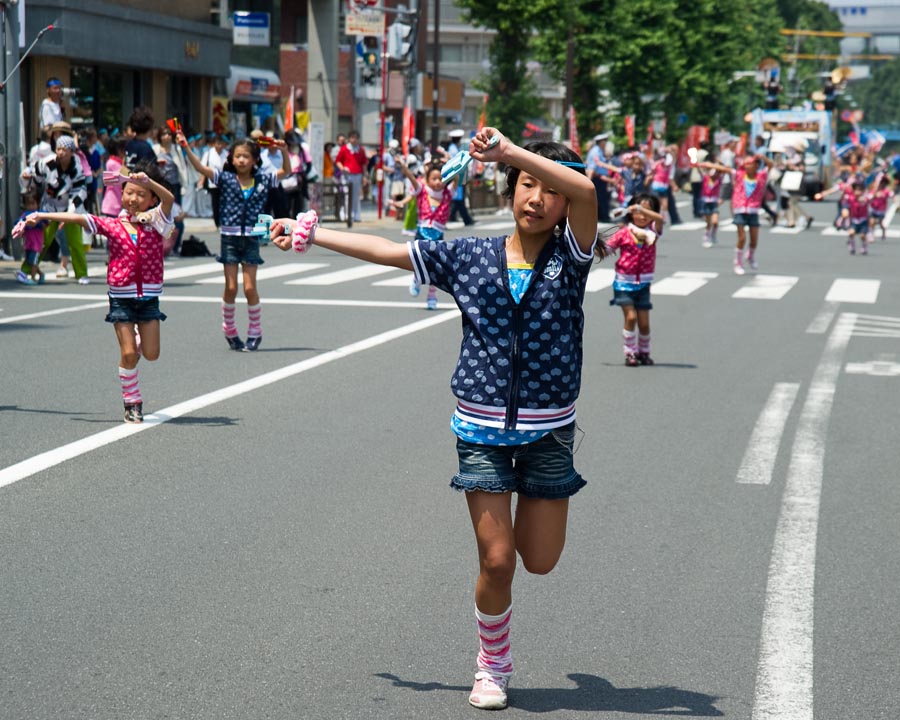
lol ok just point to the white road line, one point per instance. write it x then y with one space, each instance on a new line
346 275
784 675
682 283
59 311
400 281
877 326
853 291
759 458
183 271
832 231
766 287
688 226
43 461
267 273
599 279
822 321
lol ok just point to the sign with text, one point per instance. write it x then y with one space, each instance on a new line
252 28
364 23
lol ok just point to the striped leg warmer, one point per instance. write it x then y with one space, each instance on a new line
131 386
254 313
494 655
228 325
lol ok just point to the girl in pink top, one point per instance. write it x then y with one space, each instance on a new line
881 196
710 190
135 272
746 201
636 243
112 195
433 201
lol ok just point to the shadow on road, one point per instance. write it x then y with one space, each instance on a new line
592 694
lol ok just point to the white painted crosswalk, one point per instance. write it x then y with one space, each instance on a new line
680 283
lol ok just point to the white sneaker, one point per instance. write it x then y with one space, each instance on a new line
754 265
61 272
4 256
414 289
707 243
739 269
84 280
489 692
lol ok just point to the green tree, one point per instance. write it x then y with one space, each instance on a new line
879 96
513 98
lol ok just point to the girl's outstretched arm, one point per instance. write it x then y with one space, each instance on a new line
574 185
60 217
206 172
371 248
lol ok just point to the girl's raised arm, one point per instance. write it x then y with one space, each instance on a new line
575 186
206 172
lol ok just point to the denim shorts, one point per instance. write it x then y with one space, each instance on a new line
709 207
748 219
861 227
639 298
134 310
542 469
239 249
31 257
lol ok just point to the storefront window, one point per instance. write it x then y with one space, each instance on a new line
82 99
110 108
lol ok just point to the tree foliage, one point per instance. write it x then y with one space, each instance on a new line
879 95
676 58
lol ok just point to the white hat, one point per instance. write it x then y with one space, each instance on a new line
412 160
394 143
456 133
601 136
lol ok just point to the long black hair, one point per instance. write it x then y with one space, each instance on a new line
552 151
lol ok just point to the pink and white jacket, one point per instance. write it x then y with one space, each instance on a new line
135 267
433 215
637 260
742 202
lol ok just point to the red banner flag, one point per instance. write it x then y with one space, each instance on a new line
408 131
289 112
629 130
482 118
573 131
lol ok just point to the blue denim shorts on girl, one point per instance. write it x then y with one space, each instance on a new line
748 219
134 310
639 297
542 469
239 249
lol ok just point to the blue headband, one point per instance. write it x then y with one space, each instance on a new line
571 164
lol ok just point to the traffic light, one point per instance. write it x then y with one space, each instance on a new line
400 39
370 58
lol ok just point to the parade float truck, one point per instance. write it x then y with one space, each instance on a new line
808 131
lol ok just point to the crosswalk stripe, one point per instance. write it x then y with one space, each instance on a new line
832 231
766 287
270 272
173 273
400 281
682 283
853 291
339 276
599 279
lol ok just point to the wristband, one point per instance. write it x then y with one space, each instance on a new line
304 231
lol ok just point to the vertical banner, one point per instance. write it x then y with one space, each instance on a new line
574 145
220 114
629 130
482 117
407 132
289 119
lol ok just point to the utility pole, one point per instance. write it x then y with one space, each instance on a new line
435 83
12 128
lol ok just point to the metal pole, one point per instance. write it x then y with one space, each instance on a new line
436 80
384 76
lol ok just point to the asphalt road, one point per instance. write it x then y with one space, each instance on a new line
278 539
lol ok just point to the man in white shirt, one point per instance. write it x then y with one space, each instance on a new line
51 110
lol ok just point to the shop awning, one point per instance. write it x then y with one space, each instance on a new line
253 84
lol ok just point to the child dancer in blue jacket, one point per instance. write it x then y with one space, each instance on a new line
519 370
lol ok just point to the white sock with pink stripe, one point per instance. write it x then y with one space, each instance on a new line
644 343
131 386
738 256
494 655
629 338
254 313
228 320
